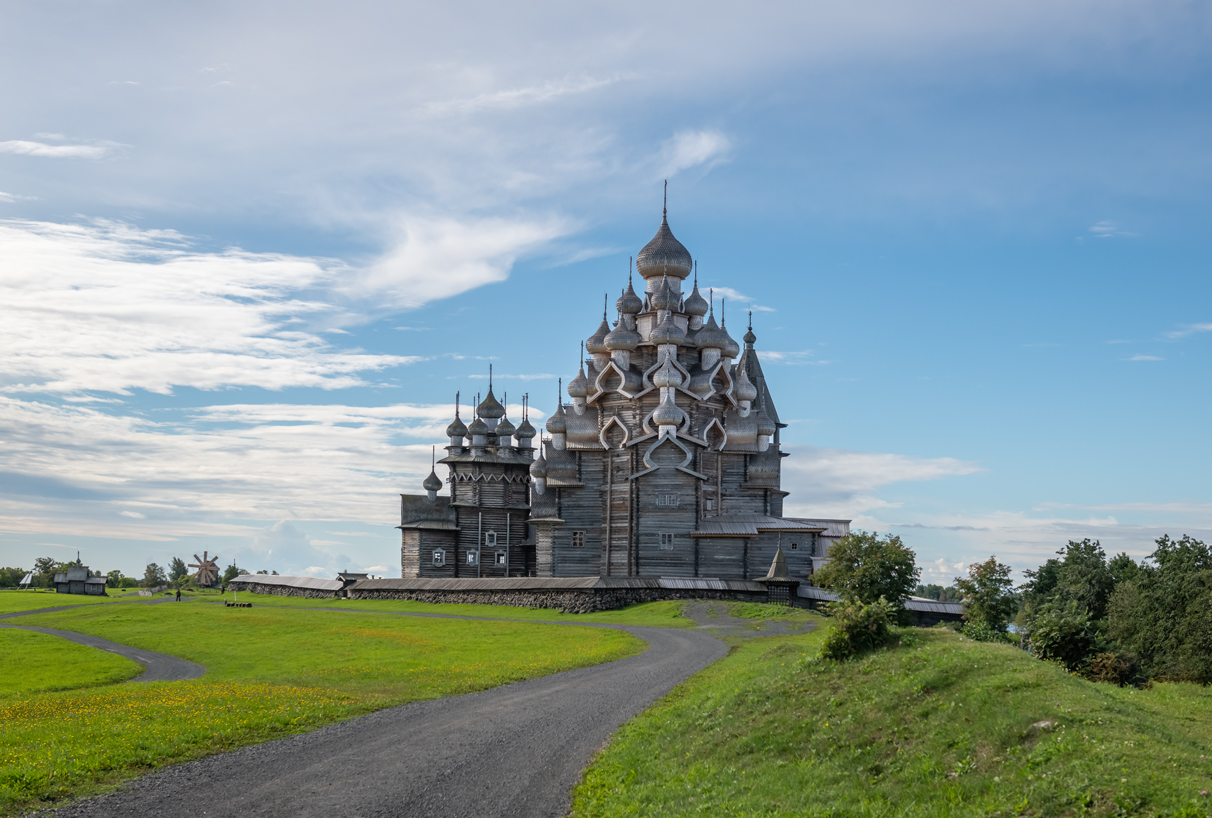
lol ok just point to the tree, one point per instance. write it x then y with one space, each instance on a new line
114 578
177 569
153 575
863 567
231 573
1164 614
989 597
1064 632
1081 576
45 569
11 577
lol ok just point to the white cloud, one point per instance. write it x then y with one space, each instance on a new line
14 197
512 98
745 302
439 258
1144 358
688 149
801 358
1189 329
26 148
1108 230
107 307
839 482
134 515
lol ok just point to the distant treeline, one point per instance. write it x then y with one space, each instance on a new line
177 574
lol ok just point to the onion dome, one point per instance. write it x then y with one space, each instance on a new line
490 407
596 344
538 469
457 428
505 428
664 254
765 426
432 482
578 387
749 337
525 431
667 414
667 332
663 297
667 375
478 428
729 348
695 303
711 336
557 424
745 390
622 338
629 303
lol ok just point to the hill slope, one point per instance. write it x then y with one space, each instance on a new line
936 727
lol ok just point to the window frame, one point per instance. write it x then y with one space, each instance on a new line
471 557
490 539
666 540
500 558
439 558
578 539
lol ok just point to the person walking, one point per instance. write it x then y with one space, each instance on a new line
178 594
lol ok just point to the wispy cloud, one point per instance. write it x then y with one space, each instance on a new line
739 299
14 197
512 98
440 258
1144 358
24 147
802 358
688 149
1189 329
1108 230
106 307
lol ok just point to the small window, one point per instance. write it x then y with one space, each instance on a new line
471 557
667 500
500 558
490 538
709 503
795 546
439 556
578 539
667 542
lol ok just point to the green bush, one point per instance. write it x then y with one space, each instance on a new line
1114 668
1065 633
980 631
857 628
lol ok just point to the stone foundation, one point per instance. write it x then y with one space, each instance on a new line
287 590
578 601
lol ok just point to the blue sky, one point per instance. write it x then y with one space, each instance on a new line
246 259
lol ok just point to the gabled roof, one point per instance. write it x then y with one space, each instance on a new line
748 525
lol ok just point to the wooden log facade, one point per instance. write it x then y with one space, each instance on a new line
666 463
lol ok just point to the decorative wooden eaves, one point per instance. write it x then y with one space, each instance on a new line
682 467
464 477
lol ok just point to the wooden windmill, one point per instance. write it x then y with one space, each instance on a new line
208 571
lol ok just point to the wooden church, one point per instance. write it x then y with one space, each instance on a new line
666 462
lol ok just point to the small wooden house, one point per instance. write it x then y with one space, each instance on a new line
75 580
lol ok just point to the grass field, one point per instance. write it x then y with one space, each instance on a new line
270 672
654 614
942 727
18 601
39 663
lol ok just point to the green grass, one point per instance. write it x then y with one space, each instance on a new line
18 601
40 663
270 672
763 612
939 728
654 614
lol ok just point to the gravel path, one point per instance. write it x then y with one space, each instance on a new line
515 750
160 667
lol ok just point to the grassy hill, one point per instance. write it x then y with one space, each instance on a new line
937 726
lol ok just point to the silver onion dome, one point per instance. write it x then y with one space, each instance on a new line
457 428
729 348
629 303
622 338
710 336
505 428
538 469
667 332
667 375
432 482
667 414
663 297
765 426
664 254
695 303
578 387
745 390
477 427
490 407
596 344
557 424
525 430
